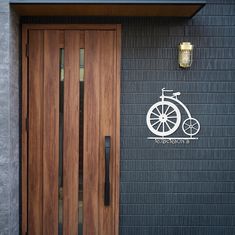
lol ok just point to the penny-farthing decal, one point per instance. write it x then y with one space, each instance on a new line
164 118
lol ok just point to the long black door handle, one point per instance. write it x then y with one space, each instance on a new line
107 162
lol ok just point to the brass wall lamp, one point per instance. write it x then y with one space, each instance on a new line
185 54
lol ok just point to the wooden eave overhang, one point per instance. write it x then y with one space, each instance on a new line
173 8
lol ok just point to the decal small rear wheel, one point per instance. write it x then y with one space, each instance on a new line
191 126
163 118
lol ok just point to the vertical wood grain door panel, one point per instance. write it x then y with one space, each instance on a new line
51 131
101 118
35 138
43 132
71 132
91 132
100 121
107 127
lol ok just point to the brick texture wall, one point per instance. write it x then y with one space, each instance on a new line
179 189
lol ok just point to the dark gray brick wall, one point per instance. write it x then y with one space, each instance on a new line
177 189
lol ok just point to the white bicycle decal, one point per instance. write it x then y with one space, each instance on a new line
164 117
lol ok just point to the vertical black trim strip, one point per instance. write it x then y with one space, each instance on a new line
61 134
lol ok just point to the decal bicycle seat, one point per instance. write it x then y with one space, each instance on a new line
176 93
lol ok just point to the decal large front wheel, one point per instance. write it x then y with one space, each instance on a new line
163 118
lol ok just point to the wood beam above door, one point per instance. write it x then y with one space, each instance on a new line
107 8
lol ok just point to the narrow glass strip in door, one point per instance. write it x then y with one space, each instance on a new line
81 126
61 122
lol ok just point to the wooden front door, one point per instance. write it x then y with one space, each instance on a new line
70 130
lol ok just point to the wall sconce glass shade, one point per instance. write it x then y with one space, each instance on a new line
185 54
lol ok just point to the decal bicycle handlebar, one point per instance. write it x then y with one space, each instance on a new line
164 90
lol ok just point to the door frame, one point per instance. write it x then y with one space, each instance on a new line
24 121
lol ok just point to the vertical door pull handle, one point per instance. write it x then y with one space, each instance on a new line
107 162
